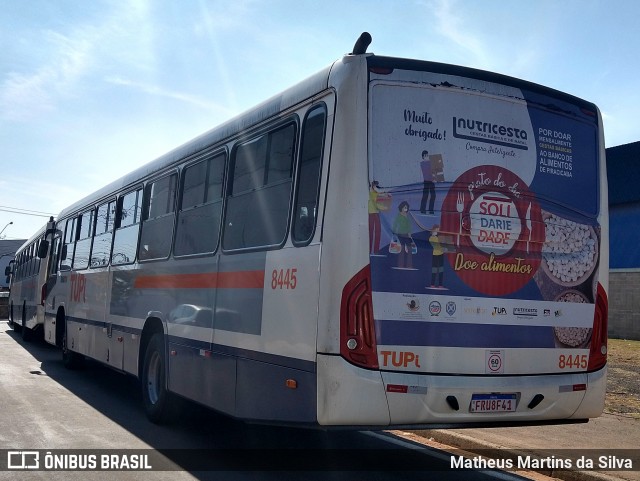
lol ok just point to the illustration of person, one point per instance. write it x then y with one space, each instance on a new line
428 189
374 219
402 229
437 259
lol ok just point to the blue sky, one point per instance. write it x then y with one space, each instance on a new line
90 90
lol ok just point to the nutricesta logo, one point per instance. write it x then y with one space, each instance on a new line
481 131
525 311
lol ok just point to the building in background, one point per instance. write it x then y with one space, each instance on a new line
623 171
8 249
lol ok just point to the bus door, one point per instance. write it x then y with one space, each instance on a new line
50 328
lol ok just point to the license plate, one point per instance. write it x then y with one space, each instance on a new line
493 403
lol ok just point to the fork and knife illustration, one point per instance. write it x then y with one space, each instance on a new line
460 209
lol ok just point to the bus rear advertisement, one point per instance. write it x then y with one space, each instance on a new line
390 242
487 258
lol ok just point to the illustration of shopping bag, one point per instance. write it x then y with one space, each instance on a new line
414 247
395 247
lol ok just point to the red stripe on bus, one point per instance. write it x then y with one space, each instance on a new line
209 280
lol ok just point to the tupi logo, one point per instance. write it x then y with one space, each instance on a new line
499 311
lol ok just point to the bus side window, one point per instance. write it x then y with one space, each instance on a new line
38 259
23 264
104 230
200 209
257 209
83 244
125 239
29 263
56 249
68 245
309 171
34 258
158 218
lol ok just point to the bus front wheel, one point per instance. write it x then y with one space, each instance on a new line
70 359
158 401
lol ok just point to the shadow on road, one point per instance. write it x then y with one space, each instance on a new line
205 443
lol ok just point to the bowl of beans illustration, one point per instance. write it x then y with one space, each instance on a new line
578 337
570 250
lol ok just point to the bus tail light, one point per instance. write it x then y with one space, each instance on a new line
598 351
357 330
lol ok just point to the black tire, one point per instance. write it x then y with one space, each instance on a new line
70 360
10 317
159 403
14 325
27 334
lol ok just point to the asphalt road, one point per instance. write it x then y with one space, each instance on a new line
79 416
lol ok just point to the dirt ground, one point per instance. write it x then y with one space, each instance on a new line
623 383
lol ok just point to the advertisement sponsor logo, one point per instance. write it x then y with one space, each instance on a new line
435 308
475 310
482 131
451 308
413 305
525 311
499 311
411 308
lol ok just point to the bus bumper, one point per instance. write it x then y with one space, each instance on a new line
351 396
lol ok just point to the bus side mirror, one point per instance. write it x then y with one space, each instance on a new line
63 255
7 272
43 249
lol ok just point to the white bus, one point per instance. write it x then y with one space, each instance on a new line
390 242
28 276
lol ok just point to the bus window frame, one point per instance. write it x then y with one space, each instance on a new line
145 211
281 123
321 105
92 229
118 222
68 238
105 202
207 157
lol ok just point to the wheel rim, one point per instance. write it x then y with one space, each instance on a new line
154 377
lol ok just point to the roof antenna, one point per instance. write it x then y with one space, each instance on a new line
362 43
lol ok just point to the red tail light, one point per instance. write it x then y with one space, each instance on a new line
598 351
357 330
43 294
381 70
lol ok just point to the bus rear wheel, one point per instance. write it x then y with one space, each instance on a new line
26 332
159 404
